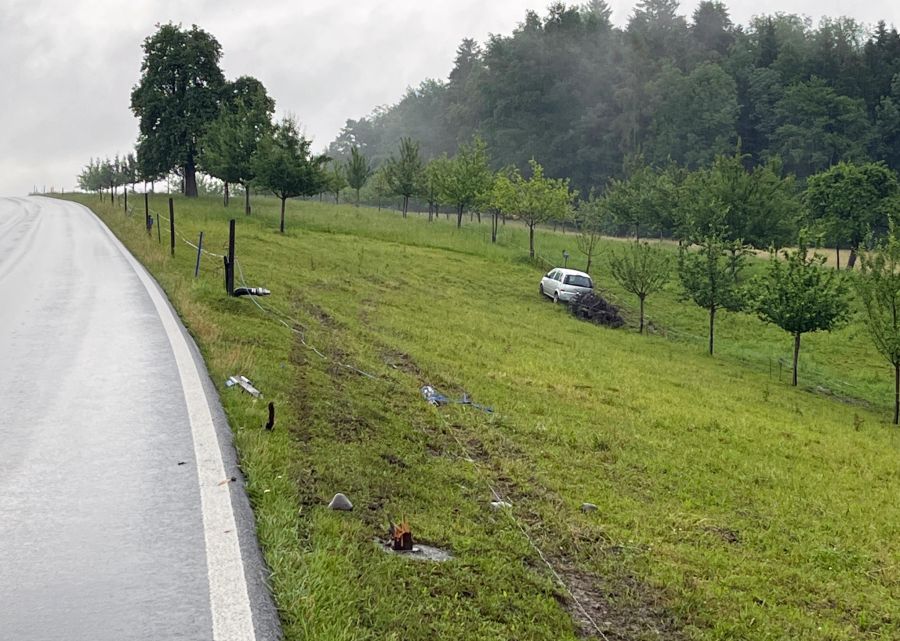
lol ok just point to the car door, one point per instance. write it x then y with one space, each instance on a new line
548 282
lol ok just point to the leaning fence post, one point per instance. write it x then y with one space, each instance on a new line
229 260
126 200
199 251
158 230
172 224
147 223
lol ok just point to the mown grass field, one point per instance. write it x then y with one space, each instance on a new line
731 506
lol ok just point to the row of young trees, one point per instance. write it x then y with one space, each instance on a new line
795 292
99 175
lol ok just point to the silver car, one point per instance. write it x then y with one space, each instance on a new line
565 284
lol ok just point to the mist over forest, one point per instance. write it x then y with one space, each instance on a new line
584 96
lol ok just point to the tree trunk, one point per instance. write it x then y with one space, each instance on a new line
405 204
357 197
190 179
851 261
641 328
459 209
712 328
531 240
282 214
337 196
637 232
430 212
494 217
896 393
478 213
588 268
838 254
796 357
226 193
246 199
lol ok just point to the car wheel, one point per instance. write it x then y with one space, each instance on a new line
541 288
555 297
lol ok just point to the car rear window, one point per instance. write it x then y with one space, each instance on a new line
578 281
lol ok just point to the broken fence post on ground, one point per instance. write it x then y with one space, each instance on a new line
172 225
244 383
199 253
229 260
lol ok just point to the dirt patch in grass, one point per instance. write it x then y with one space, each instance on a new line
623 609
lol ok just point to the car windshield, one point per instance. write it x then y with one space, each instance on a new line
578 281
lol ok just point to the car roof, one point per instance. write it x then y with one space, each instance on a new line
570 272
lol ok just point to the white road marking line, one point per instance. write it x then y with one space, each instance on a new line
232 618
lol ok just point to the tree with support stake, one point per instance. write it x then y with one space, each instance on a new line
878 286
798 295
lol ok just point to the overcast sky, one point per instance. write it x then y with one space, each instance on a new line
68 66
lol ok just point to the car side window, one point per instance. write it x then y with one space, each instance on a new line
552 274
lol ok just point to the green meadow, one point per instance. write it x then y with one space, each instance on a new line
730 505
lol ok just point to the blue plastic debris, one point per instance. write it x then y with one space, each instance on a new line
433 397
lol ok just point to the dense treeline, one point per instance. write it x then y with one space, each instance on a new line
584 96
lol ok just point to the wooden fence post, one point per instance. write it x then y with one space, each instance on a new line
229 260
172 224
147 219
158 230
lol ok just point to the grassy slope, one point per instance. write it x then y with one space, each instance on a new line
731 506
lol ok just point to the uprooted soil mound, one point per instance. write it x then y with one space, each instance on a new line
596 309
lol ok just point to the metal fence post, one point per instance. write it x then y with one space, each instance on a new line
199 251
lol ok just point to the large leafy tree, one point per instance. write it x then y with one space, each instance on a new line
176 99
798 295
819 128
878 287
284 165
758 207
232 138
852 200
695 115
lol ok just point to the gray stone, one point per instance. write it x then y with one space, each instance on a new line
340 502
588 507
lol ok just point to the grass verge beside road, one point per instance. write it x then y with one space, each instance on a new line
730 505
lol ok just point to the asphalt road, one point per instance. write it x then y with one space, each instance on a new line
115 523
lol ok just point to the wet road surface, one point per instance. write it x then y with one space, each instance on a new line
110 529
